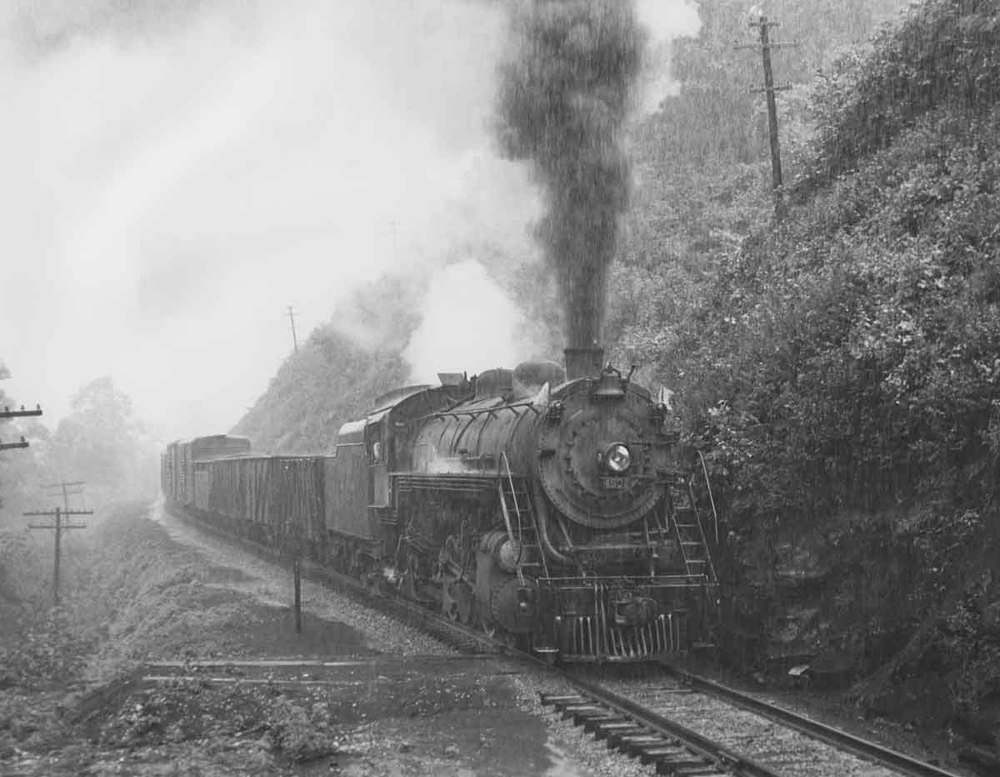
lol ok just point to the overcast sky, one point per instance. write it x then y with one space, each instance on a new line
175 174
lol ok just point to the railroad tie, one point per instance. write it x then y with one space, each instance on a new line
631 738
635 744
580 711
616 739
705 770
674 754
684 765
591 725
551 699
605 728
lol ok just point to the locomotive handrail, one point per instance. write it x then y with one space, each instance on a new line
711 498
517 508
528 403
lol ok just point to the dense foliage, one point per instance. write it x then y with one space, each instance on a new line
840 367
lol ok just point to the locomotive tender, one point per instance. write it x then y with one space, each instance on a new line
559 514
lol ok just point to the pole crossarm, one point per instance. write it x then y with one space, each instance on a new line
8 413
59 511
57 529
62 527
68 488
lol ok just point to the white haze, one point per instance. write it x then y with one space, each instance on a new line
175 174
664 20
469 325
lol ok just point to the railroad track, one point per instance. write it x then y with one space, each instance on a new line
641 733
675 721
770 737
860 746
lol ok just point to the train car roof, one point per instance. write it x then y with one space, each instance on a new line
220 437
392 398
352 432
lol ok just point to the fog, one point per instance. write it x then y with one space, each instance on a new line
176 174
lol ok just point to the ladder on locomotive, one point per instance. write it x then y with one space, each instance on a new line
518 516
689 531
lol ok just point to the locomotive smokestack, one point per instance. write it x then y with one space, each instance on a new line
583 362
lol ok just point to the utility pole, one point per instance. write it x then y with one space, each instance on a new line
58 527
66 493
769 90
6 414
291 317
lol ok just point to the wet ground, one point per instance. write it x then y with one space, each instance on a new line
229 688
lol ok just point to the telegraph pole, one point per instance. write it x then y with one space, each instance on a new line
291 317
66 493
6 414
58 527
769 90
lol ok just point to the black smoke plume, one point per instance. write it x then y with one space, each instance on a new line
563 99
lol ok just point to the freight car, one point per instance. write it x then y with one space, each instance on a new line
559 514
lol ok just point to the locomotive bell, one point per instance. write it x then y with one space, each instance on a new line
609 385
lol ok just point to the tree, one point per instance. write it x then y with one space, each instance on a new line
100 441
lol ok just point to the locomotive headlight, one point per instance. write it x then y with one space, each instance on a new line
618 458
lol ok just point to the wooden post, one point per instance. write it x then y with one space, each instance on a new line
55 570
772 107
295 339
59 527
297 581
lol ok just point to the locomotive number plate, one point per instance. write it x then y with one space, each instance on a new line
614 483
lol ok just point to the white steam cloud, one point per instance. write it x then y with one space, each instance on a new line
665 20
177 173
469 325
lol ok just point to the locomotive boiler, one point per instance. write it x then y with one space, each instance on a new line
555 510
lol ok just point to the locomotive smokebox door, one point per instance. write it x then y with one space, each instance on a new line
378 458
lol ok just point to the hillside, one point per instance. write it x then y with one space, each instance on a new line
841 370
337 372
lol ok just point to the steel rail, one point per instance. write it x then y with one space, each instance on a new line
726 760
805 725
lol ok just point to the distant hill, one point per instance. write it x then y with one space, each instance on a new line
338 371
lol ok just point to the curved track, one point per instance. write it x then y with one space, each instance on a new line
900 762
678 722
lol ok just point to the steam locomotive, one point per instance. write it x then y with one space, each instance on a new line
558 514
